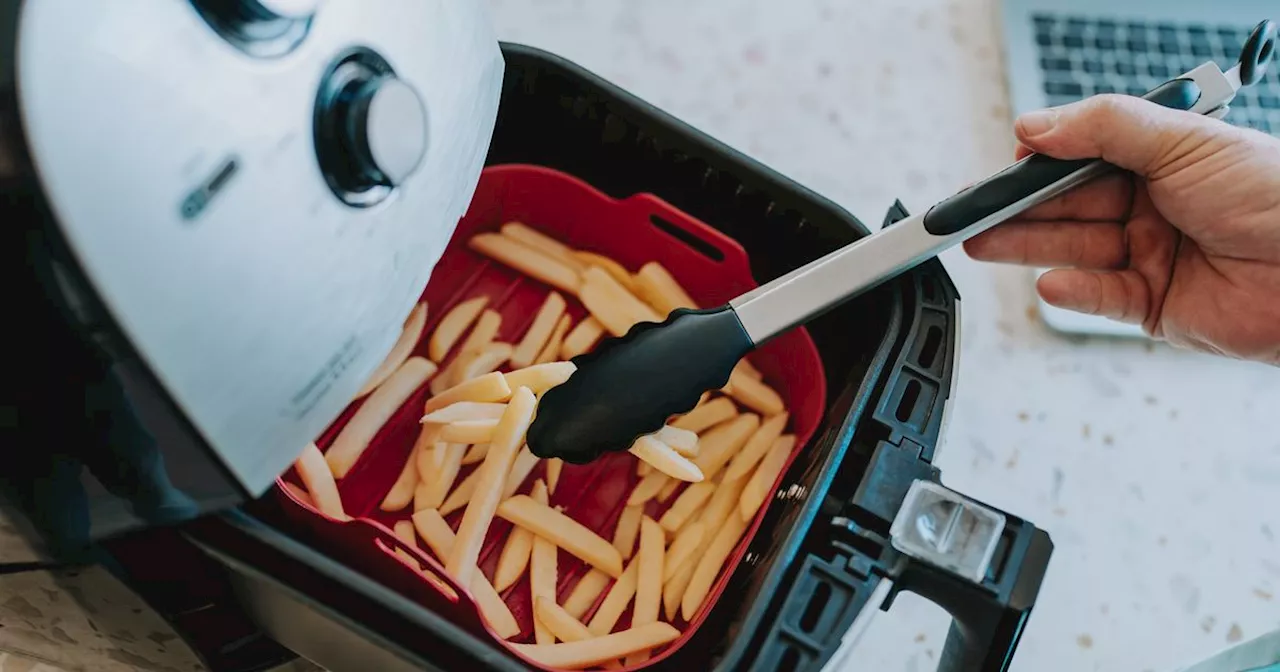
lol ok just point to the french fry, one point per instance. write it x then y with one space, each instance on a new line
404 530
554 467
682 549
535 337
435 531
561 623
687 504
610 303
720 508
541 377
669 489
722 442
754 394
480 362
722 505
673 588
628 528
318 480
589 652
507 439
609 266
485 330
756 447
709 565
528 260
615 601
683 441
648 488
489 388
452 326
707 415
299 493
656 286
564 531
401 493
543 243
468 431
376 410
581 338
586 592
664 458
521 467
461 495
475 453
551 351
643 468
542 571
426 458
464 410
475 347
653 544
434 491
746 368
410 334
516 551
757 489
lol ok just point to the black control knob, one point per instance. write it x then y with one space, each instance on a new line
370 129
262 28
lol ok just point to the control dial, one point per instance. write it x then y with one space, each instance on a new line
261 28
370 129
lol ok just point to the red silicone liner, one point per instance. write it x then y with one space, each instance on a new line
632 231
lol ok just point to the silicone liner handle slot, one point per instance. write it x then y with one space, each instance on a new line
680 227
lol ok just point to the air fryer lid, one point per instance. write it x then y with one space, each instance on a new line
258 189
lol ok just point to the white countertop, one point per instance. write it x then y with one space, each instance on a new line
1152 469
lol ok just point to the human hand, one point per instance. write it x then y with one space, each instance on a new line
1187 244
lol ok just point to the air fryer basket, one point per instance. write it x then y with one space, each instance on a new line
825 554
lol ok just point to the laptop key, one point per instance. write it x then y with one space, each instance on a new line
1104 42
1104 87
1126 69
1073 41
1063 89
1135 90
1091 66
1156 69
1269 102
1055 64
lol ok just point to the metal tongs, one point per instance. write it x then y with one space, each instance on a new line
630 386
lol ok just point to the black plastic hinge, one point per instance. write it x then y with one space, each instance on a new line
890 473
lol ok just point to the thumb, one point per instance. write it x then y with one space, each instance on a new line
1126 131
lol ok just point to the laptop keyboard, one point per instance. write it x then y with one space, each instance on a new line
1082 56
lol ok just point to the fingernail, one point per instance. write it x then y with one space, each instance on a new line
1034 124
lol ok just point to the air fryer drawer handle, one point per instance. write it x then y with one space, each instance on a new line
982 565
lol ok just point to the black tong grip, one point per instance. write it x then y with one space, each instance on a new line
631 385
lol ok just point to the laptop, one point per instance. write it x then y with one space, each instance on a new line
1059 51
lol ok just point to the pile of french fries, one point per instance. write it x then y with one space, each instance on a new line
702 478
